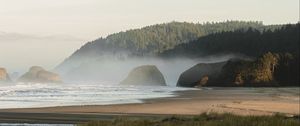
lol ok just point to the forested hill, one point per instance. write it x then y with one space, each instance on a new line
154 39
250 42
161 37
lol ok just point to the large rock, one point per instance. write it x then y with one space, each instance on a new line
4 77
200 74
37 74
147 75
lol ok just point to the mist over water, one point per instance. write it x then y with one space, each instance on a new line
114 70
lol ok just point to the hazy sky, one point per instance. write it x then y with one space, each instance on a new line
47 31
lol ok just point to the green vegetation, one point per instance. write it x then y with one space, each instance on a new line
252 42
202 120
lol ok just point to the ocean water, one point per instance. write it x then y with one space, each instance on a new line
22 95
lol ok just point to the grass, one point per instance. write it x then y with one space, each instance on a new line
202 120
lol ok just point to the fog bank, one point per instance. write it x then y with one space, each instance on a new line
113 71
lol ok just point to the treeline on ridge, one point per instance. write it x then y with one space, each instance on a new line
250 42
155 39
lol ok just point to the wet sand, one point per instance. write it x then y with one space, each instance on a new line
240 101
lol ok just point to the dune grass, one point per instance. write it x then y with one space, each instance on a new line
202 120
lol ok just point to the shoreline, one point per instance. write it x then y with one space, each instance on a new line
239 101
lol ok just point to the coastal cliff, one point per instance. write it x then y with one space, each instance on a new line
269 70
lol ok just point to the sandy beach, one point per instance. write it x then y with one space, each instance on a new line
240 101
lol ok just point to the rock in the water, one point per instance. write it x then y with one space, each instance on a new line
200 74
4 77
37 74
147 75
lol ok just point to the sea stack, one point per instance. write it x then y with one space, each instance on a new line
147 75
4 77
38 74
200 74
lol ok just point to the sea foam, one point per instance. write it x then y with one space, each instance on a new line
21 95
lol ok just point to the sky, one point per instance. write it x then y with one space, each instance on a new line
45 32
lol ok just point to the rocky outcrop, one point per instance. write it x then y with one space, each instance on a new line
147 75
269 70
4 77
200 74
37 74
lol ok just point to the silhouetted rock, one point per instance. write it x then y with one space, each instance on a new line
147 75
200 74
4 77
37 74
